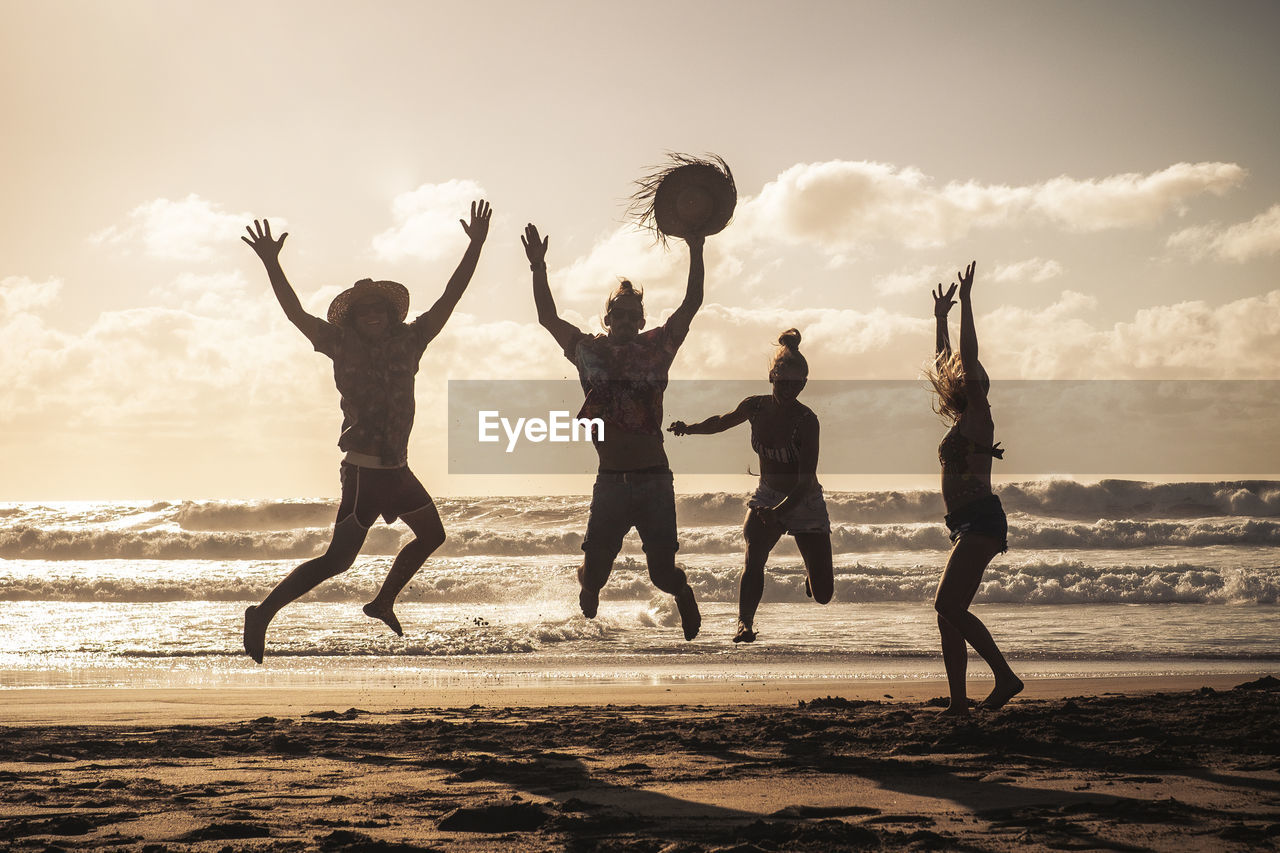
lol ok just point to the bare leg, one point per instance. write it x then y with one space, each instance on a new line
608 521
669 578
955 593
955 657
820 574
760 538
594 572
348 536
428 535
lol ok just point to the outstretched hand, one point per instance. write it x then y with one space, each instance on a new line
535 246
942 302
261 242
478 228
678 428
966 280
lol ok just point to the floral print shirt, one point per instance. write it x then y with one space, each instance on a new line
624 382
375 379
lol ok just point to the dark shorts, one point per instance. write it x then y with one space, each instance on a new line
373 492
984 517
641 499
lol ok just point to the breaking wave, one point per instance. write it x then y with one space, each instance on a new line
1034 581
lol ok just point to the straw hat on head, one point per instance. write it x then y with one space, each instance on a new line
688 197
393 293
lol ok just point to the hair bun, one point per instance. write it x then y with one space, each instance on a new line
790 339
625 286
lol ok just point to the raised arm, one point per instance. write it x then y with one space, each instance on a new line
678 323
477 229
968 335
973 372
715 423
267 249
941 306
535 248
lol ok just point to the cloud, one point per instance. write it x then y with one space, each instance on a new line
1130 200
624 253
19 295
1034 270
736 342
1241 242
197 363
192 229
843 205
220 294
909 281
926 277
426 221
1063 339
30 351
1186 340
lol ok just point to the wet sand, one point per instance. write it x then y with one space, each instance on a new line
1128 769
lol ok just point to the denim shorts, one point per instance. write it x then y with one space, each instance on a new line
645 500
373 492
984 517
807 516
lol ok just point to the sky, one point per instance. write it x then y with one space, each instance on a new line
1110 166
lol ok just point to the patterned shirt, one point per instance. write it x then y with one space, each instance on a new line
624 381
375 379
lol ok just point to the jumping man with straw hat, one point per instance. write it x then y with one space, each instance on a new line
375 358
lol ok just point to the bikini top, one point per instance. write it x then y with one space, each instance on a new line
955 449
788 453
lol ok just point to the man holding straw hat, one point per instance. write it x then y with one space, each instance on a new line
623 375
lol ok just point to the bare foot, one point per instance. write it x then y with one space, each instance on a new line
745 633
1004 690
386 614
957 709
255 634
690 618
589 601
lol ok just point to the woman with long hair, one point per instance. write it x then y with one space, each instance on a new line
975 517
784 433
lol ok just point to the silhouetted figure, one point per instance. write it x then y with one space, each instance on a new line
623 374
975 517
375 358
784 432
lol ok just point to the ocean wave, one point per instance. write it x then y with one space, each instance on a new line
253 515
1025 533
1030 582
1048 499
1135 499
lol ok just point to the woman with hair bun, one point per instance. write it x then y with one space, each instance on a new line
784 433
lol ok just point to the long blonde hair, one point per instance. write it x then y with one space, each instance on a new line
947 378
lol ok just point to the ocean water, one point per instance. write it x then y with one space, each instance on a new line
1115 577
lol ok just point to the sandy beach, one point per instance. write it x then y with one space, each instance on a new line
1118 764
